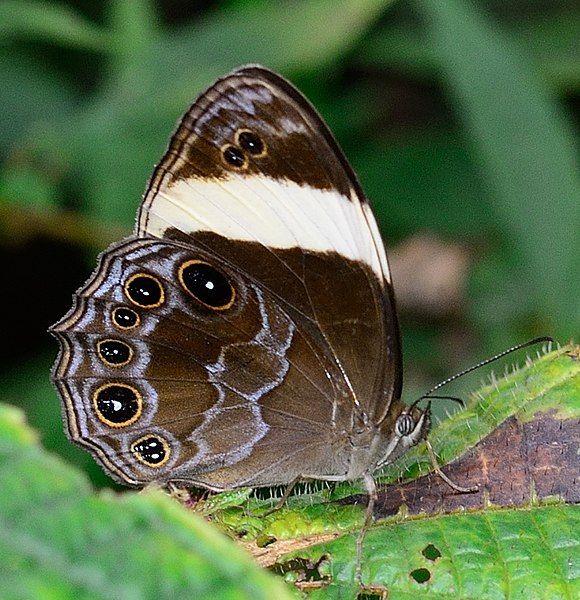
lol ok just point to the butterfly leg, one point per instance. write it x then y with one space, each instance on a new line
437 469
371 487
289 488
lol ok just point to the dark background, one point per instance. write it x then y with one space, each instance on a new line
460 118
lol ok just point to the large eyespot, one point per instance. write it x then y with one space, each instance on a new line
144 290
152 450
125 318
251 142
114 353
117 404
234 156
405 424
206 284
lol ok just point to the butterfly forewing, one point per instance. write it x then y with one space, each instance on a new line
292 215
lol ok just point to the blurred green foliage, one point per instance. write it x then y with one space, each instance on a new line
62 541
458 116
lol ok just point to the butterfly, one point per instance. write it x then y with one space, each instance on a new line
246 333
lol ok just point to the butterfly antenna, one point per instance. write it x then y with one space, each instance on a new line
454 398
537 340
429 396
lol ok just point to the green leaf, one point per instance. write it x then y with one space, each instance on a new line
65 541
424 183
550 383
288 37
526 547
30 95
524 553
134 28
23 183
122 133
525 148
59 540
550 39
50 22
401 48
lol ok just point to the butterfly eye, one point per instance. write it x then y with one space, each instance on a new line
125 318
144 290
234 156
114 353
206 284
117 404
251 142
405 424
151 450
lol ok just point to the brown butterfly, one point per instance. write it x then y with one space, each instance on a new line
246 334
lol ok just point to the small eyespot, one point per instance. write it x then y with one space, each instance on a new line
144 290
251 142
125 318
405 424
234 156
152 450
206 284
117 404
114 353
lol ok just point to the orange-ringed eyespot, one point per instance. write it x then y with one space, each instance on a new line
117 404
151 450
206 284
114 353
125 318
144 290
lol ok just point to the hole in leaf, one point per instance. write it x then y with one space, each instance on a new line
421 575
373 594
431 552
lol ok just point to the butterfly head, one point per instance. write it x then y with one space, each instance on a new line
411 426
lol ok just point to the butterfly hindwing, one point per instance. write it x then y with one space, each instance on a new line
203 382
